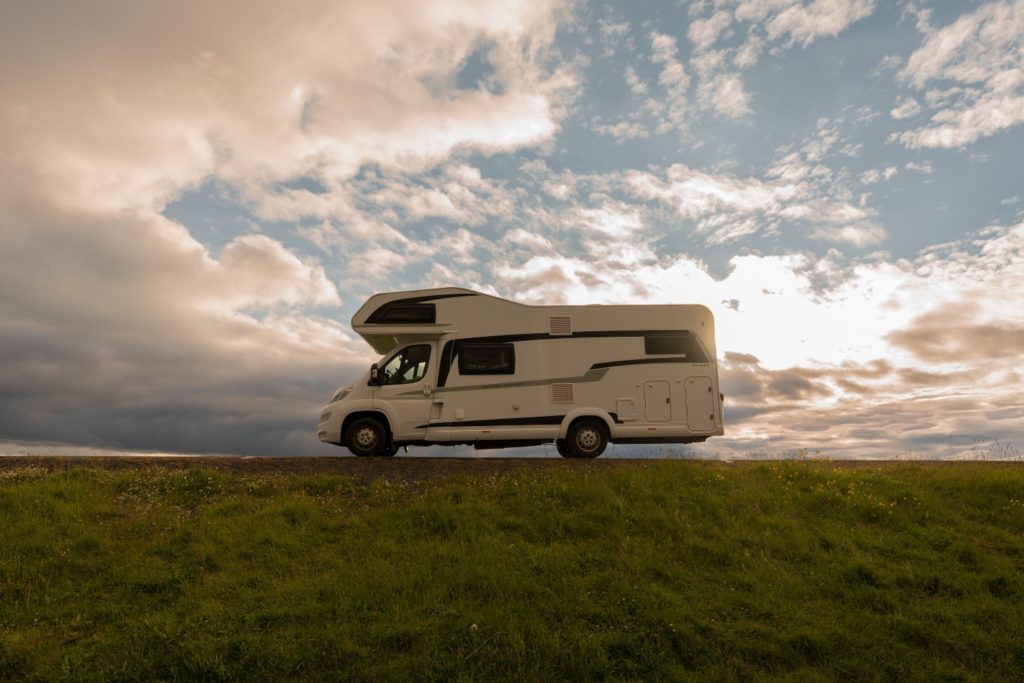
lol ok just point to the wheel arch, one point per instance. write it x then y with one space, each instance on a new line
359 414
576 414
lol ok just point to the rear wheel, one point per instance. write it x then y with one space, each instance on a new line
587 438
563 448
367 436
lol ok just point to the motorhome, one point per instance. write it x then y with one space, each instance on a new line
461 367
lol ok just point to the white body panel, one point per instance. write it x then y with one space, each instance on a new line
649 372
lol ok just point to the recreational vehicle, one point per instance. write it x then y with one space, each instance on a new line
461 367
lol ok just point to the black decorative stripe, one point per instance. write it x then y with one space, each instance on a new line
430 297
446 363
507 422
641 361
451 348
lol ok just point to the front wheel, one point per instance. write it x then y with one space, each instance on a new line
587 438
563 448
366 436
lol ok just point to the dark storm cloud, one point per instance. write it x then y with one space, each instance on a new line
119 331
952 334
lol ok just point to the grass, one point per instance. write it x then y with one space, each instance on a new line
652 570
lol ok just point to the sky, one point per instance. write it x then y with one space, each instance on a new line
195 200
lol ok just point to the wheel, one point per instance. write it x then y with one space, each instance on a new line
563 448
587 438
366 436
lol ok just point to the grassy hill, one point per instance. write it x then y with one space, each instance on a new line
640 570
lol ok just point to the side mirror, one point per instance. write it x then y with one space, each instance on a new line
374 374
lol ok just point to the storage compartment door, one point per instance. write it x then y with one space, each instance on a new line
657 401
700 405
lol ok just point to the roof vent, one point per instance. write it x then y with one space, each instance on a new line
561 325
561 393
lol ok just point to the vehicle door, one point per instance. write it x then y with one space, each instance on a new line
404 389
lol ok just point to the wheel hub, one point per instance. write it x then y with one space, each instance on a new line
366 437
587 439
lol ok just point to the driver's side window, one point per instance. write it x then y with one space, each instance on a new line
407 366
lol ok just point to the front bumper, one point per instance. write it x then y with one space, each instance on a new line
329 428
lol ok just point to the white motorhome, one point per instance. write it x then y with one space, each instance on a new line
461 367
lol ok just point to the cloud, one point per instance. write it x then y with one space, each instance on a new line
621 130
895 413
864 235
704 32
130 334
951 334
804 23
191 101
728 208
127 332
874 175
820 351
906 108
978 63
774 24
673 78
724 93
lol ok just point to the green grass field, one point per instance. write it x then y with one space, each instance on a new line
644 571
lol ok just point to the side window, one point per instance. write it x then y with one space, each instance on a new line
676 344
407 366
487 359
399 313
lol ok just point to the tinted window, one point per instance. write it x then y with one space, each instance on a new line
407 366
487 359
404 314
675 344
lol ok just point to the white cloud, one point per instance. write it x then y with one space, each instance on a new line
727 208
922 167
906 108
673 78
804 24
636 85
978 61
613 219
621 130
271 98
864 235
875 175
774 24
704 32
724 93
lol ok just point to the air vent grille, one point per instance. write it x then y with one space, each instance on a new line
561 393
561 325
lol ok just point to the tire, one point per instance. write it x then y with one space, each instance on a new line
366 436
389 451
563 448
587 438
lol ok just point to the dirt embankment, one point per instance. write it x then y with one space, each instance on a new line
400 469
359 469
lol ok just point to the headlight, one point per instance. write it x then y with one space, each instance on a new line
342 393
